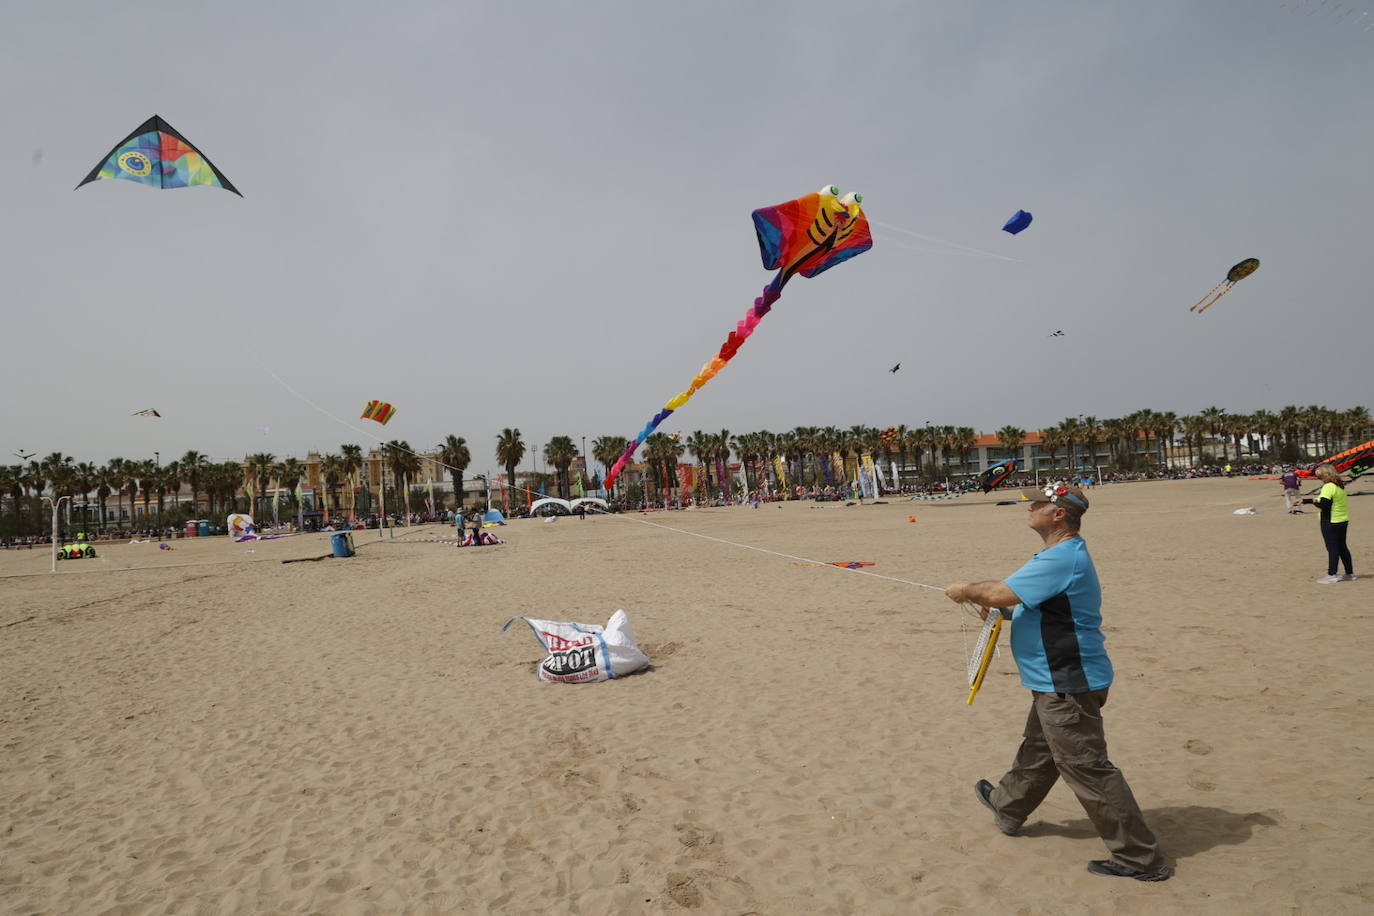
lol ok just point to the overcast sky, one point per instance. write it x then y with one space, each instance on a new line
537 215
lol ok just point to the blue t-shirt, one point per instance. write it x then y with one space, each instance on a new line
1056 630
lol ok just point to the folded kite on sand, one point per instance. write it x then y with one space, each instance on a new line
580 653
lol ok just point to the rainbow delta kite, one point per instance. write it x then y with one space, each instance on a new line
380 411
806 236
156 155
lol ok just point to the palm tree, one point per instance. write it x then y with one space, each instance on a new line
917 440
274 478
1051 441
720 451
31 478
1265 425
1163 426
193 466
963 440
559 453
122 478
168 481
851 443
9 486
753 449
84 480
1356 422
1118 433
454 454
104 486
234 476
828 443
1012 438
260 469
1071 427
403 464
1195 429
510 449
1215 418
289 474
332 474
351 457
606 449
744 445
789 446
700 445
211 479
1091 434
661 451
146 472
944 441
57 470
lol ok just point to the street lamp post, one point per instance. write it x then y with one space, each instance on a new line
930 444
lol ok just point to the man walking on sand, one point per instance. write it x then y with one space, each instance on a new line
1291 500
1057 641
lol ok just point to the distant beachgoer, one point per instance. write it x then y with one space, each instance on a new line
1335 519
1291 500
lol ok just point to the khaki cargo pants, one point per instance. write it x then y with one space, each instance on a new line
1064 737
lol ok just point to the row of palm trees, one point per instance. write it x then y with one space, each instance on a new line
1291 433
220 482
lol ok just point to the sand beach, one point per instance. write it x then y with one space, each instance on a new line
209 730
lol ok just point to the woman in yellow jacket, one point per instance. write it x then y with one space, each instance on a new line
1335 519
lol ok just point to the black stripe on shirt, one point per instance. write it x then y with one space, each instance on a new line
1061 645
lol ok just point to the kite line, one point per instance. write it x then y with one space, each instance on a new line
966 249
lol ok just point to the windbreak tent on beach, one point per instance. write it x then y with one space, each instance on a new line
551 501
494 516
582 500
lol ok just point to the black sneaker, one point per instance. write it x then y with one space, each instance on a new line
983 789
1112 869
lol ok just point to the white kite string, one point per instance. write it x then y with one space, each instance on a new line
968 606
776 553
926 238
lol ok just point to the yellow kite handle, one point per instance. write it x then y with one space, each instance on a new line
987 656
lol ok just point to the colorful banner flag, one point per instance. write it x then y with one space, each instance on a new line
868 478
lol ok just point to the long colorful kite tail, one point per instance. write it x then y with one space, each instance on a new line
805 236
1216 298
1206 297
762 306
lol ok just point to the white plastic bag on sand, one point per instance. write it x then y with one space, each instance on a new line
1248 510
580 653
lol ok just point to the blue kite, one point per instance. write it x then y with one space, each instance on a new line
1019 220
